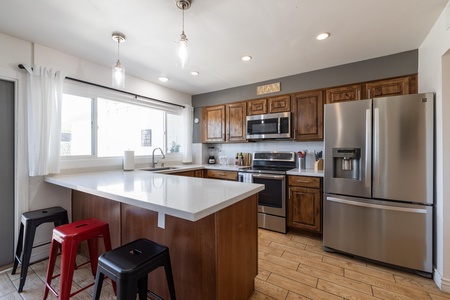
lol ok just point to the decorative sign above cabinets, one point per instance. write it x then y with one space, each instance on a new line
268 88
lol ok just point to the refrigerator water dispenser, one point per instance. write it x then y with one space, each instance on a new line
346 163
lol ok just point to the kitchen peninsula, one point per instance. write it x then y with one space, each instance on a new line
210 226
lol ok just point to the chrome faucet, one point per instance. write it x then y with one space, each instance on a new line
153 157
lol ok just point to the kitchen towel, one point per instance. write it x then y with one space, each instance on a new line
128 160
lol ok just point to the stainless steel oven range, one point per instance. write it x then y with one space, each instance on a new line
269 168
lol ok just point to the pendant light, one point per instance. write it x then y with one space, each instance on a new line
118 70
182 51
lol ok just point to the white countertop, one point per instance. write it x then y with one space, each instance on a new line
184 197
305 172
295 172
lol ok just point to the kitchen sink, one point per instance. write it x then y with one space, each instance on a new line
158 169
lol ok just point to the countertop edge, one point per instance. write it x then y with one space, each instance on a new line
64 181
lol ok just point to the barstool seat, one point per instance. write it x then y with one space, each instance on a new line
68 237
29 222
128 266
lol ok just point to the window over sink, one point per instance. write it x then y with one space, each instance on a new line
97 123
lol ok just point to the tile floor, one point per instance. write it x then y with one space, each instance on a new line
34 285
291 266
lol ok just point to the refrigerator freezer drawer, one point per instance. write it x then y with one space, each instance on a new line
389 232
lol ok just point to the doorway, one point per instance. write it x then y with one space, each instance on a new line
6 172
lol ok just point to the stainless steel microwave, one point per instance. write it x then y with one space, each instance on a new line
269 126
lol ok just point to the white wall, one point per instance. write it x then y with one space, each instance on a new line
434 76
34 193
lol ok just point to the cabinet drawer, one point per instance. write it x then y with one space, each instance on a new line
304 181
225 175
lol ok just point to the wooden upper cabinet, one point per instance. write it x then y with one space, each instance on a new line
236 124
279 104
257 107
308 116
224 123
389 87
344 93
213 124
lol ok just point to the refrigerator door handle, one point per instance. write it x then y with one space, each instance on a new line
378 206
368 165
376 147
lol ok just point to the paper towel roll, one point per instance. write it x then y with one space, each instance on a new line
128 160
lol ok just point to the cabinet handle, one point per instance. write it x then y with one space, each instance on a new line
303 181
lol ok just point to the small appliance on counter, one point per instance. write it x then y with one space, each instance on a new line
211 158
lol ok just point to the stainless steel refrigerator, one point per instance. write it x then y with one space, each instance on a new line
379 180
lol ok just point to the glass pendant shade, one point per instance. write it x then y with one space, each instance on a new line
182 52
118 75
118 70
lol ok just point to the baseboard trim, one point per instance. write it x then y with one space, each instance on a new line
442 283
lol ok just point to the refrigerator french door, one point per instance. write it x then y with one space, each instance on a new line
378 202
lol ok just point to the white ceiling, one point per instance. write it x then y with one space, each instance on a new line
278 34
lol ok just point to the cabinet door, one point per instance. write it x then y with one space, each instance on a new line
308 116
304 208
190 173
219 174
344 93
389 87
280 104
213 124
257 107
236 122
199 173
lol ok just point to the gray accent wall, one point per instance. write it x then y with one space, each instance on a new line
395 65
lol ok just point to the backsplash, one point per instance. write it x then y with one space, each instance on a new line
200 151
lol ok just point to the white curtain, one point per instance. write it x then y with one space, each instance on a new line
186 134
44 96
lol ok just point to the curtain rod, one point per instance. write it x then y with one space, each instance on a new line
116 90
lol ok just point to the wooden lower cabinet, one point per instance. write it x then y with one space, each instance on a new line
219 174
213 258
305 203
190 173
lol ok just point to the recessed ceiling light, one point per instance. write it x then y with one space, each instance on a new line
195 73
163 78
246 58
323 36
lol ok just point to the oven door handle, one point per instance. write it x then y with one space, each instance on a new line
265 176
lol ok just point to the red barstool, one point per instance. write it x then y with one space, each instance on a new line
68 237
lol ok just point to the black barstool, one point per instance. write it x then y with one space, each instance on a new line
30 221
129 265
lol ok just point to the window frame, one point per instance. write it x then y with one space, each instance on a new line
95 92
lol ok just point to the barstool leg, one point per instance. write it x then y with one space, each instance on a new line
18 249
28 245
143 287
98 285
68 258
93 255
50 267
169 277
126 289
